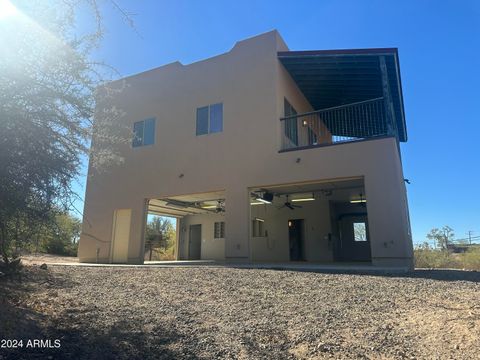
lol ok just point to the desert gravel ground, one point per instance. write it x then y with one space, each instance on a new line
228 313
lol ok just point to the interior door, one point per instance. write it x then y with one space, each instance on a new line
121 235
195 242
354 239
295 239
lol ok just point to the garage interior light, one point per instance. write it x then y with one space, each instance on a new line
264 201
304 198
264 198
209 206
358 201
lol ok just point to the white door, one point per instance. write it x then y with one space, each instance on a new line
121 235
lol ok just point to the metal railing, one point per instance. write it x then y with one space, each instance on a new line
345 123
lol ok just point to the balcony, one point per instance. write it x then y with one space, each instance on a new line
356 94
339 124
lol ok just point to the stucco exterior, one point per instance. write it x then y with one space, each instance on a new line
252 84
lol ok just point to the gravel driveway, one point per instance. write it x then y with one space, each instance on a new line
227 313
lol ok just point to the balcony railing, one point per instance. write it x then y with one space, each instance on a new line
346 123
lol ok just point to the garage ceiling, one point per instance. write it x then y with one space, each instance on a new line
343 190
194 203
299 188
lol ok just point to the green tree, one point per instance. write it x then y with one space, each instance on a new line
441 237
48 83
160 233
58 233
62 237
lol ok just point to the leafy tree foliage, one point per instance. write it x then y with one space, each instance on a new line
47 101
441 237
61 238
160 235
58 233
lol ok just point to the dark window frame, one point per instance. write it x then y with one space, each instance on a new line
145 139
219 230
214 119
201 128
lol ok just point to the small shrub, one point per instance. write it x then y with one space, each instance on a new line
61 238
426 257
471 259
430 258
12 267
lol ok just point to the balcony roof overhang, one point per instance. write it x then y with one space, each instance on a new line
331 78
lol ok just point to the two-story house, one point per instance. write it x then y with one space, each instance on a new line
262 154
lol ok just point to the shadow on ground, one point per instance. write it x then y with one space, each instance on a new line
119 342
80 339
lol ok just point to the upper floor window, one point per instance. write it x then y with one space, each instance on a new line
210 119
143 132
288 109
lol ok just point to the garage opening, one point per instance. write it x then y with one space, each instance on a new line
199 223
323 221
160 238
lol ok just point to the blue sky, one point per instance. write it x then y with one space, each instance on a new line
439 47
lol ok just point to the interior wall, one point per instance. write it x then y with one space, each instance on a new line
288 89
211 249
275 246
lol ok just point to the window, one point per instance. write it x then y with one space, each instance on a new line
219 230
257 228
210 119
149 132
202 120
360 231
138 133
144 132
291 130
216 118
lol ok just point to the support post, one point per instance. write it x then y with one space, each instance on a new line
390 113
237 224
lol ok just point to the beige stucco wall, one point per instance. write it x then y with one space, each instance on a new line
251 84
211 248
275 247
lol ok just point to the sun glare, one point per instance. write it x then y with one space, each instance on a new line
7 9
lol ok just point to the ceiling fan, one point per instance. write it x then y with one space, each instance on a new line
289 205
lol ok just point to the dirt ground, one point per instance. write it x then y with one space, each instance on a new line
47 259
228 313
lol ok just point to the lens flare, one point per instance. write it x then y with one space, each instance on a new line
7 9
